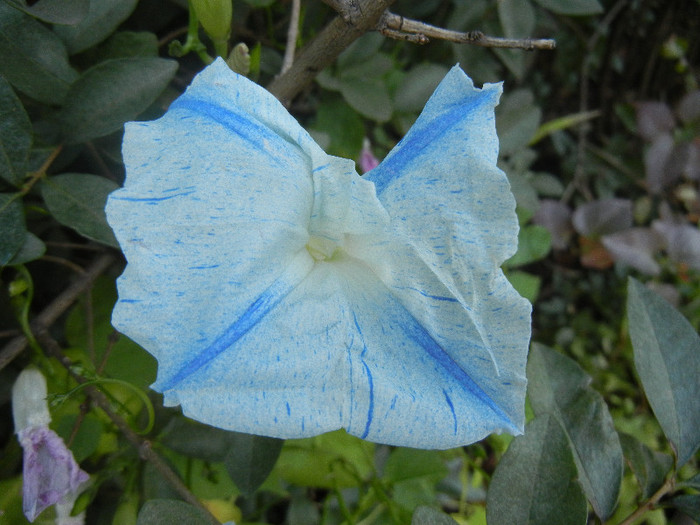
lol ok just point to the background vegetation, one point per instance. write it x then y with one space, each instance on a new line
601 141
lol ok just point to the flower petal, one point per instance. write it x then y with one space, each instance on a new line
216 204
362 362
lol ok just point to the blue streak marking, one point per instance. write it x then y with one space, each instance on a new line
370 409
436 297
153 199
130 300
414 143
452 408
204 267
289 410
243 125
270 298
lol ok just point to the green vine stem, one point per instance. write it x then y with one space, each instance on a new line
650 504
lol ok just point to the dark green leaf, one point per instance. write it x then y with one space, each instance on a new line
693 482
417 86
125 44
32 249
55 11
517 18
87 438
667 359
429 516
526 284
250 460
193 439
112 93
535 481
32 58
407 463
170 511
12 227
572 7
103 17
649 467
343 125
688 504
534 243
558 386
369 97
517 120
15 135
77 200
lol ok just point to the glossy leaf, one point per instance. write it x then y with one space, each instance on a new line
169 511
430 516
111 93
635 247
11 226
32 58
556 217
667 359
417 86
15 135
649 467
250 460
572 7
54 11
517 18
103 17
654 119
77 200
535 481
31 249
558 386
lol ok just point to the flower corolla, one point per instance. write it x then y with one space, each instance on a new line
50 474
284 295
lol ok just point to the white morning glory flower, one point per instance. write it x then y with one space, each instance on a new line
287 296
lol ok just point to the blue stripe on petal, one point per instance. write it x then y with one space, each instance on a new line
296 271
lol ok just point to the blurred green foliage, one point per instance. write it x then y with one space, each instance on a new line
601 142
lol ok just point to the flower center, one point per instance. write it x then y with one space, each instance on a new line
322 249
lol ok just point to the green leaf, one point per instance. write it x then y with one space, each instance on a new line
535 481
331 460
534 243
649 467
87 438
562 123
112 93
250 460
417 86
15 135
103 17
667 359
126 360
526 284
54 11
77 200
558 386
12 226
408 463
429 516
193 439
572 7
517 120
688 504
32 249
343 125
693 483
517 18
169 511
32 58
369 97
125 44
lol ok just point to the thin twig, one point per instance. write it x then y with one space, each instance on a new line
292 36
650 503
391 24
146 452
54 310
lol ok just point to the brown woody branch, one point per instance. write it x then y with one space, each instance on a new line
396 26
